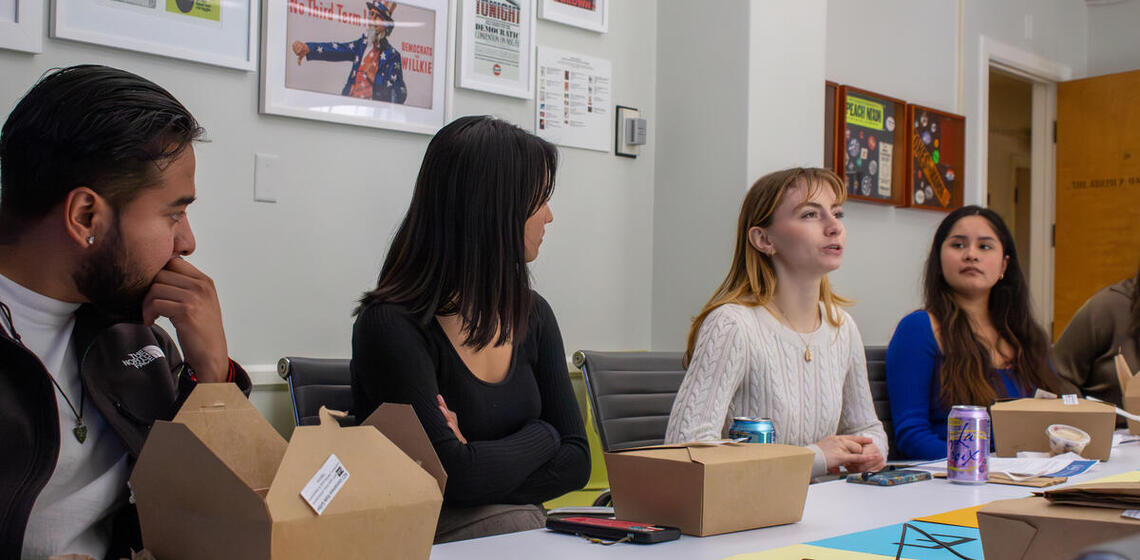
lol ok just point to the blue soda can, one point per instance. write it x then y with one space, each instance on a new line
968 445
752 430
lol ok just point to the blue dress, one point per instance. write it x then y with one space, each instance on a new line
913 364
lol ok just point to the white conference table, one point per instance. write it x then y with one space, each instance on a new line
832 509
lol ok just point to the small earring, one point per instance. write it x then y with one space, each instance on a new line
90 239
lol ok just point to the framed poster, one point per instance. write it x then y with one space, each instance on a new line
372 63
218 32
572 106
936 158
831 124
22 25
872 141
587 14
496 46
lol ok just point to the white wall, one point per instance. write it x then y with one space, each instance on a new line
922 52
918 61
1114 44
907 50
702 159
288 273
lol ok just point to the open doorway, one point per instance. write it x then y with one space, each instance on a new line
1010 157
1031 217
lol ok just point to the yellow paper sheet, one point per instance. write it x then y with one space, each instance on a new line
1130 476
802 551
965 517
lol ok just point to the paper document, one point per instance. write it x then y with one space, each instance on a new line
1024 468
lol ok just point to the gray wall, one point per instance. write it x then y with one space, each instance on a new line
923 52
702 163
1114 43
288 273
637 246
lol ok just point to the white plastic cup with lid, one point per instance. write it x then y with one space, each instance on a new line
1064 438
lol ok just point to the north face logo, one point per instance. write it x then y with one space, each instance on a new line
143 356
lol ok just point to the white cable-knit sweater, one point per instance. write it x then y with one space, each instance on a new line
747 363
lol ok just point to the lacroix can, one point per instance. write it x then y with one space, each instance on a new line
968 445
752 430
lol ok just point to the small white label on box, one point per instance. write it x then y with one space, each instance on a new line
1133 513
1069 399
324 485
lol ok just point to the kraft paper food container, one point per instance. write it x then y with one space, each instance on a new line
219 482
1020 425
1130 389
1032 528
706 489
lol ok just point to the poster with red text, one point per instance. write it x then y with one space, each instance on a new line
369 62
350 51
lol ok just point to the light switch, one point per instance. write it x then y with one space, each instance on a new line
629 131
266 176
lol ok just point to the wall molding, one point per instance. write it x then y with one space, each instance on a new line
263 375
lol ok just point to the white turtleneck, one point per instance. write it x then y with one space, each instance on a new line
73 512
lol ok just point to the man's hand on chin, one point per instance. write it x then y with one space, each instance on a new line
187 297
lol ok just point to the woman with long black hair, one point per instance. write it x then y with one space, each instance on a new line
454 329
974 341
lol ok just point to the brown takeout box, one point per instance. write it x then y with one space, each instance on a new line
1020 425
219 482
706 489
1130 389
1032 528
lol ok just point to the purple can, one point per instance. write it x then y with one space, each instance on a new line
968 445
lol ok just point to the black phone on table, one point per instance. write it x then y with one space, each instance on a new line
613 529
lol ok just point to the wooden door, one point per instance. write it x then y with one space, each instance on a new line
1097 236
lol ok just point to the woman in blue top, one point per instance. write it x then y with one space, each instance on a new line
974 341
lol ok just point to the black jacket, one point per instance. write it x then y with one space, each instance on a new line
130 392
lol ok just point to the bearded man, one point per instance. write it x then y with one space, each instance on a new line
96 173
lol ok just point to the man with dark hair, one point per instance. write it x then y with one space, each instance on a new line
96 173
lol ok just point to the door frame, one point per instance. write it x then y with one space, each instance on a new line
1044 74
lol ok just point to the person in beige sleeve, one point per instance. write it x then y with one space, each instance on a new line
773 341
1108 323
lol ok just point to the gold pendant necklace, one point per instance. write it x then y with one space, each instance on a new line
784 320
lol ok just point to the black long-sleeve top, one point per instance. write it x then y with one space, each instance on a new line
526 442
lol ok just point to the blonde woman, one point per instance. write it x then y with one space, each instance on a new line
773 341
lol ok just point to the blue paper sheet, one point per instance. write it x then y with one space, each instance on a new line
966 541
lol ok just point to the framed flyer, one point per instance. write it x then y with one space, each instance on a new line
831 124
22 25
496 46
871 141
218 32
587 14
368 62
936 159
572 104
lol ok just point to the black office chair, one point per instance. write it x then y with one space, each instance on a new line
631 394
314 382
877 376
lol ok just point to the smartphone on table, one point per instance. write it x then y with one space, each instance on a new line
889 478
613 529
